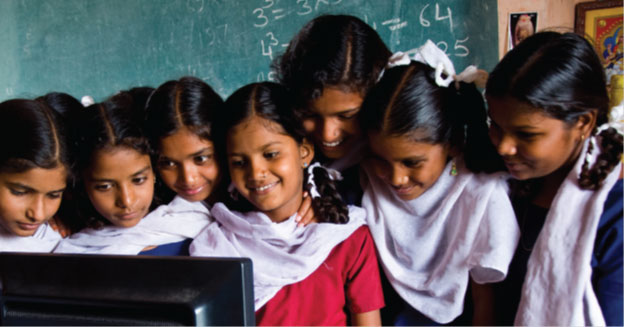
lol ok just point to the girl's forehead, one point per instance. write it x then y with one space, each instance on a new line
257 124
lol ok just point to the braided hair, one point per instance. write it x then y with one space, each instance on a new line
561 76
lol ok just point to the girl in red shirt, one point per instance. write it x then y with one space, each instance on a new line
320 274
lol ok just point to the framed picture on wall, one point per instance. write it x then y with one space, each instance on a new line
521 26
601 23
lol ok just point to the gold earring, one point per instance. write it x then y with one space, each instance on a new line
582 137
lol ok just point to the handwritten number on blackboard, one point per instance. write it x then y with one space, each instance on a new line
449 16
260 13
424 22
442 45
266 50
305 6
464 49
270 4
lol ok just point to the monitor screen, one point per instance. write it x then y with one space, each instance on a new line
72 289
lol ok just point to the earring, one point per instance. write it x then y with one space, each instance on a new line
453 168
582 137
233 192
305 165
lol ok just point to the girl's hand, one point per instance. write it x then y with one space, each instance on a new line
58 226
305 214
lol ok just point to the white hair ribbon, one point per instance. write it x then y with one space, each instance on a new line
433 56
87 100
397 59
332 173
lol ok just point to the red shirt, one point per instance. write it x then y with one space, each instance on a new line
347 282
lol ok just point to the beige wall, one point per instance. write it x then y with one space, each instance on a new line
550 13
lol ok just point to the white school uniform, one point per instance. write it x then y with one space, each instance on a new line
462 226
44 240
282 254
174 222
557 288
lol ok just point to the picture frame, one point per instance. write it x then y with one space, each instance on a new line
601 24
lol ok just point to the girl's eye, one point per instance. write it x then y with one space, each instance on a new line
237 163
412 163
165 164
527 136
271 155
17 192
202 159
139 180
103 187
55 195
347 116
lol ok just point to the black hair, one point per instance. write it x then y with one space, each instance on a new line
560 75
116 122
331 50
185 103
32 135
408 102
272 102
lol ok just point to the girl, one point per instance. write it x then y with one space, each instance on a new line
307 276
115 187
436 223
178 122
329 66
549 121
179 118
34 166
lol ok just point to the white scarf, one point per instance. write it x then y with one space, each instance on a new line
557 288
428 246
43 240
282 254
174 222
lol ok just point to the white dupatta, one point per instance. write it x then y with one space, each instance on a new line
44 240
462 225
174 222
557 288
282 254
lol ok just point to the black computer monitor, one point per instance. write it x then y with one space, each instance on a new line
60 289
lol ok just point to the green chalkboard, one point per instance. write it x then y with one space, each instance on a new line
98 47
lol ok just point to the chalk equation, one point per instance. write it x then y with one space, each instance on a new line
430 15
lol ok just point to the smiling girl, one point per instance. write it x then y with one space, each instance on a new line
34 166
115 189
329 66
550 123
321 274
438 224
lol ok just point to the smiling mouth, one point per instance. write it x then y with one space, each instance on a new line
402 190
332 144
263 189
191 191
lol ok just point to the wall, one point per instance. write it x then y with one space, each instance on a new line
551 13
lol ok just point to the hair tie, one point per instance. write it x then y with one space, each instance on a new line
397 59
616 120
87 100
433 56
332 173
